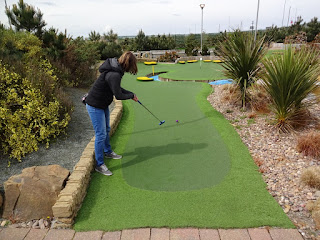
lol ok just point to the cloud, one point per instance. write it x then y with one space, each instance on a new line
161 2
107 28
58 15
47 3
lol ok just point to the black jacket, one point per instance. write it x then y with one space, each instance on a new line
108 85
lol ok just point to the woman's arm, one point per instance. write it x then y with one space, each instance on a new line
114 80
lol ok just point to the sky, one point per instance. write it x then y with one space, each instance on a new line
127 17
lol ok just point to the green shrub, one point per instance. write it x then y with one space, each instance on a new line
242 55
26 118
80 58
22 54
289 79
205 51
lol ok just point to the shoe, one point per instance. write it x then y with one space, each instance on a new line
112 155
103 170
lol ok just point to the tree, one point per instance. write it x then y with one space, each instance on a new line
171 42
26 17
298 26
191 44
154 43
141 41
54 43
111 50
275 34
2 26
94 36
111 36
205 51
313 28
127 44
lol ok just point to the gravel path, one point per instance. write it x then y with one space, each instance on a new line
65 150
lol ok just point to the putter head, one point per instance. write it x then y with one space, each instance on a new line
162 122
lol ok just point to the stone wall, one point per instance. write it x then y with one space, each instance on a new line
70 198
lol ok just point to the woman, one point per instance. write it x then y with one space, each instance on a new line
100 97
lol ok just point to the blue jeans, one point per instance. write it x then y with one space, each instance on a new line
100 119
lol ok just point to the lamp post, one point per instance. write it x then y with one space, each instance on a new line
255 35
202 6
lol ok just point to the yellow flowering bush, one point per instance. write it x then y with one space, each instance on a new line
26 117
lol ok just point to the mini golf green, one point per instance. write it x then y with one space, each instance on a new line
188 72
195 173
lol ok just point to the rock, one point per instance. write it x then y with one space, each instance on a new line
41 224
29 224
317 194
3 223
53 223
35 188
287 208
35 224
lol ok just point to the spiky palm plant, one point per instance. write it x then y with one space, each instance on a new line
290 79
242 56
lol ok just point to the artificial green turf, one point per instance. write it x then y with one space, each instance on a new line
174 156
190 71
239 200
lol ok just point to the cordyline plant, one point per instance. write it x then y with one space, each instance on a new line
290 80
241 55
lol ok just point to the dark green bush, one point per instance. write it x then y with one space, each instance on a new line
80 58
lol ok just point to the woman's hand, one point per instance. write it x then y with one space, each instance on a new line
135 98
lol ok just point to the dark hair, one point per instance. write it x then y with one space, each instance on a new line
128 62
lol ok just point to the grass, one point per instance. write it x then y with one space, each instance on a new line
274 52
134 198
188 72
309 144
311 177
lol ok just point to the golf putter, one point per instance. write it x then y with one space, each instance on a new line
161 122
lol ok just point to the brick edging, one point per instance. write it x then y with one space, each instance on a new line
70 198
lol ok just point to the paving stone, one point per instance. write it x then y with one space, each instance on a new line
209 234
160 234
285 234
36 234
184 234
259 234
234 234
60 234
136 234
112 236
14 233
92 235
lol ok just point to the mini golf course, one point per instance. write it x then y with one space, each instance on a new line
192 173
188 71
